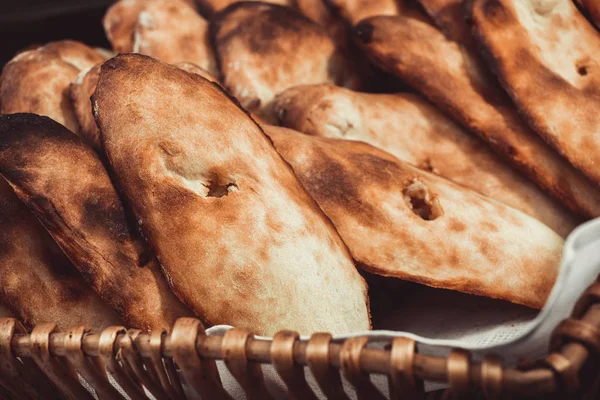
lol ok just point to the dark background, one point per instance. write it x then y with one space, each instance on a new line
24 23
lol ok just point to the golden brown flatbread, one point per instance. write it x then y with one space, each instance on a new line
37 282
75 53
120 20
453 79
84 87
64 183
119 23
421 227
413 130
547 56
37 81
209 8
238 237
173 32
264 49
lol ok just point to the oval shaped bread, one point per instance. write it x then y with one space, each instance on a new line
64 183
173 32
263 49
410 128
452 77
37 282
547 56
75 53
403 222
37 81
239 238
84 87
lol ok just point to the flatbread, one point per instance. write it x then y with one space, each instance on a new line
119 23
75 53
209 8
547 56
37 81
453 79
173 32
238 237
413 130
264 49
64 183
37 282
421 227
84 87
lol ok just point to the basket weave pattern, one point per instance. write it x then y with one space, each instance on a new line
45 364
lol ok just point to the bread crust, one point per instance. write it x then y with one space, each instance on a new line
546 55
37 81
448 75
173 32
463 245
37 282
66 186
263 49
410 128
239 238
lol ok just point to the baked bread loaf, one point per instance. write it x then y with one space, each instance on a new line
239 239
410 128
172 31
37 282
37 81
547 56
421 227
447 74
75 53
84 87
264 49
64 183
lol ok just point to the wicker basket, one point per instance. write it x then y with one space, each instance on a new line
47 364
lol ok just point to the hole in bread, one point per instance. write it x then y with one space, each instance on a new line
216 190
420 201
582 70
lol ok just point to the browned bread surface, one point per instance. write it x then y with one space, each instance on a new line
264 49
37 282
64 183
453 79
547 56
403 222
37 81
83 88
173 32
413 130
239 238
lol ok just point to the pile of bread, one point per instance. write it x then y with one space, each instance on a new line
250 162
